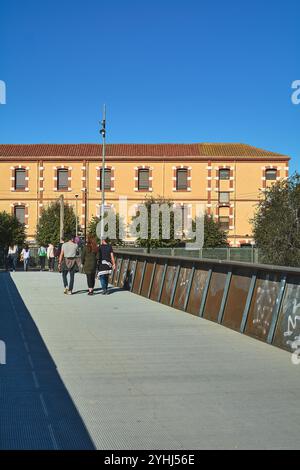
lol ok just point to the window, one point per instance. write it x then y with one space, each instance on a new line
271 175
62 179
143 181
20 214
224 198
20 181
224 174
181 179
107 179
224 223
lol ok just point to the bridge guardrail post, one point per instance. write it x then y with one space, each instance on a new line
277 309
205 292
151 280
225 295
162 282
248 302
175 284
186 301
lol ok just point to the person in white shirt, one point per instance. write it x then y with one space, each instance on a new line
51 257
12 256
25 256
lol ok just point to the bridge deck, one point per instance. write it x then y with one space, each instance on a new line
122 372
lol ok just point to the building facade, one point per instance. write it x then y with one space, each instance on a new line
228 179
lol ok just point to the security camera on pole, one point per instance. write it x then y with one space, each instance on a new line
103 133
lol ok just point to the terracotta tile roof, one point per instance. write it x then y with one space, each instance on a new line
234 150
133 151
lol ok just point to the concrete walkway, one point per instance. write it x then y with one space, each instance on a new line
122 372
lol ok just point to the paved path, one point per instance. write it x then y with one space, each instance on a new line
122 372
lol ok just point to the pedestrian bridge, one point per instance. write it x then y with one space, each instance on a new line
124 372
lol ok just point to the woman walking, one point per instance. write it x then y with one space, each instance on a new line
12 257
25 257
106 264
89 258
42 253
51 257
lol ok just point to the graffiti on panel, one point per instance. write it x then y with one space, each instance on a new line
292 331
266 294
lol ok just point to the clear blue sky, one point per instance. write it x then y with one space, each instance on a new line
168 70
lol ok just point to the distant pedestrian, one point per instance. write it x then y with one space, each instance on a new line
12 256
89 258
51 257
106 264
25 257
68 263
42 254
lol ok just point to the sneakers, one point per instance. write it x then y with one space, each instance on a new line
65 290
69 292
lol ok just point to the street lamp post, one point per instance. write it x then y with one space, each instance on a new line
76 211
103 133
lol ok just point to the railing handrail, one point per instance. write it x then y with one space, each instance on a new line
259 267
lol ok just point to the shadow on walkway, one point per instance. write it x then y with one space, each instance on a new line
36 410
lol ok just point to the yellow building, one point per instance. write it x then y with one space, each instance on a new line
226 178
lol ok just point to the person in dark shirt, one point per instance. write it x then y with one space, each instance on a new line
106 264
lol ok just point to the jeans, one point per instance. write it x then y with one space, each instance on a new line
104 281
12 261
65 278
26 264
42 262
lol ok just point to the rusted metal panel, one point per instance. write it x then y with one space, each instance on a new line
168 284
129 275
147 279
262 305
215 293
287 334
123 272
155 290
197 288
182 286
237 298
117 271
138 276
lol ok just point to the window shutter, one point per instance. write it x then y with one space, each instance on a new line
271 175
224 198
224 223
20 214
20 182
143 179
107 179
224 174
182 179
62 179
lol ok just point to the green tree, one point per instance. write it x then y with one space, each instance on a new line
214 236
92 229
11 230
276 223
160 242
48 228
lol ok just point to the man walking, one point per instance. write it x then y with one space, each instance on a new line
68 263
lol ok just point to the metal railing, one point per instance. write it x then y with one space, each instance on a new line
258 300
247 255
